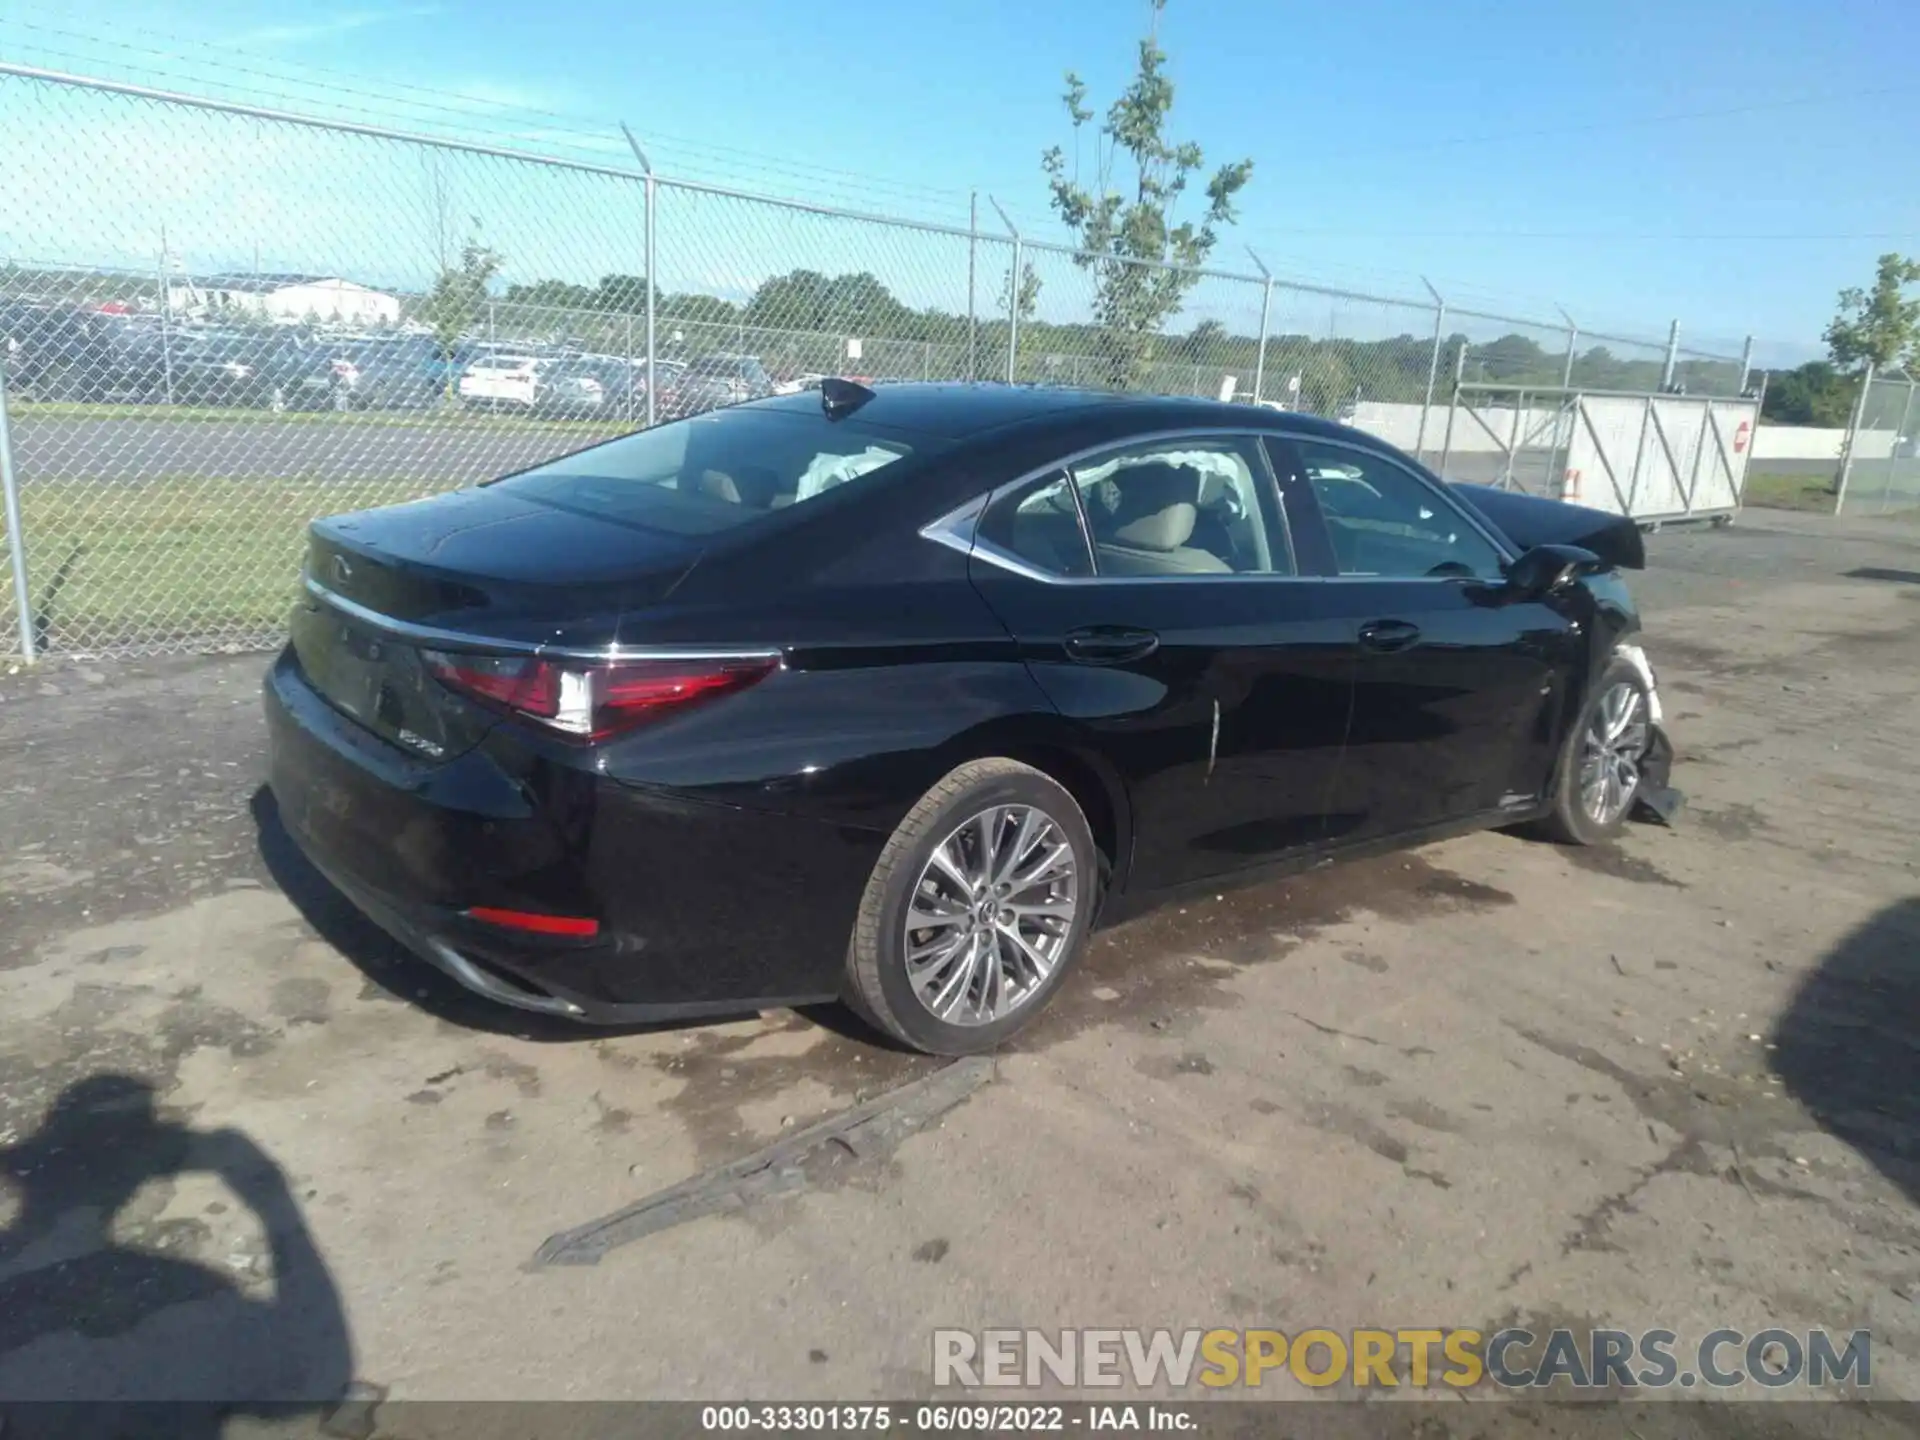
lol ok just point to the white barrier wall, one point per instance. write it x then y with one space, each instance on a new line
1660 459
1400 425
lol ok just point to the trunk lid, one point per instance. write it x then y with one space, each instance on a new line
479 563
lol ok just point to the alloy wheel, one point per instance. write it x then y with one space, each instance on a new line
990 915
1615 740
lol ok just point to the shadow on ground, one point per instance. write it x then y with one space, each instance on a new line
152 1322
1849 1043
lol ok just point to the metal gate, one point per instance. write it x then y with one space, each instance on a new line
1653 457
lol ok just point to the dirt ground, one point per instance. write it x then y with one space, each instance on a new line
247 1148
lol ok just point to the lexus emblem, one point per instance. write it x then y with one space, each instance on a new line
342 571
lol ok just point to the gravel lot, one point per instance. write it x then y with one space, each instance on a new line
1677 1083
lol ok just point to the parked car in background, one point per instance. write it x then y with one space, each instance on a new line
891 694
571 387
502 379
716 380
408 373
533 383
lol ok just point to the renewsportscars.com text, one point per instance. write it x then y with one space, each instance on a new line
1514 1359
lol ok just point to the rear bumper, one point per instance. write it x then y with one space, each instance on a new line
704 909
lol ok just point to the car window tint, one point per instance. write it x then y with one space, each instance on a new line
715 471
1384 520
1041 527
1188 507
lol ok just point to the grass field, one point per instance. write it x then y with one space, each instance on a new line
179 559
1791 492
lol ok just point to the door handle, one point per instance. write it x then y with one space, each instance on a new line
1109 644
1386 636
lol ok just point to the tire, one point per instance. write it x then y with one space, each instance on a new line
878 983
1571 821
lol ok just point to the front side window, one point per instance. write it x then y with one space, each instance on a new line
716 471
1191 506
1384 520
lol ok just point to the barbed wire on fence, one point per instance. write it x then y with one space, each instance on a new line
222 321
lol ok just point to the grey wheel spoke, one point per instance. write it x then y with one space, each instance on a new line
1034 962
944 862
986 836
956 983
991 914
1033 825
1057 860
932 955
1061 909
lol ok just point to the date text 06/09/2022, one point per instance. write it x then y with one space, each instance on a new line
939 1419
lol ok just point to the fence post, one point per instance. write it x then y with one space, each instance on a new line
1746 365
973 315
1673 356
1453 405
166 318
1573 345
16 542
652 193
1899 433
1853 438
1433 366
1013 295
1266 309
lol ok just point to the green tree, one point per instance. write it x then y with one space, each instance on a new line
1206 341
622 293
459 291
1118 229
1813 394
555 294
1881 325
1027 300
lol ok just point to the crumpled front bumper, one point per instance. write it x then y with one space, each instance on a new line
1656 799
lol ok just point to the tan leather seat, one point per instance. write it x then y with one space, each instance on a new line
1152 520
753 486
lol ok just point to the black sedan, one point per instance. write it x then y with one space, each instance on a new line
889 695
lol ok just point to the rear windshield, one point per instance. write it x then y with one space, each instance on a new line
714 472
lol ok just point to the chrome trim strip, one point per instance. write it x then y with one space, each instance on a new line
958 529
480 983
468 640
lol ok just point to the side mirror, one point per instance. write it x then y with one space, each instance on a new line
1545 568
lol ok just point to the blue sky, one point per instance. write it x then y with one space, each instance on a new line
1731 162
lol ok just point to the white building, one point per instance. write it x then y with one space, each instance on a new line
286 299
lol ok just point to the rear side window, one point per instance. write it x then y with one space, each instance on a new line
1041 528
717 471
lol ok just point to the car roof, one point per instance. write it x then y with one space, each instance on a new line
959 409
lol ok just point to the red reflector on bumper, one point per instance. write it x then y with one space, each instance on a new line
575 925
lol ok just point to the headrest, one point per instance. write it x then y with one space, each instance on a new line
753 486
1156 508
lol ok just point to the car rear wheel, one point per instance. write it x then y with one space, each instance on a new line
977 908
1600 768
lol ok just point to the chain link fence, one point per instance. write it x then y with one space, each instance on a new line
1880 473
220 322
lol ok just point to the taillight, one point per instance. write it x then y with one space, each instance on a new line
591 701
